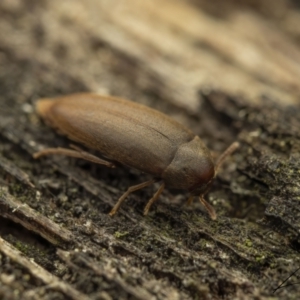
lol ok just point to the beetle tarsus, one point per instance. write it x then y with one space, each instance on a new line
129 191
153 199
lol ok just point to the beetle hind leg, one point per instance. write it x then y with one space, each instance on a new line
75 152
129 191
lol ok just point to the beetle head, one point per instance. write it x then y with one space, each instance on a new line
192 168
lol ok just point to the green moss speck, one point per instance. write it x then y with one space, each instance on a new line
119 234
248 243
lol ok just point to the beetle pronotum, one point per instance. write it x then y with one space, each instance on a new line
136 136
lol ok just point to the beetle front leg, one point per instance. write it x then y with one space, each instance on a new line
211 211
77 153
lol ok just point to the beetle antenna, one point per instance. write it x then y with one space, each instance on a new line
226 153
211 211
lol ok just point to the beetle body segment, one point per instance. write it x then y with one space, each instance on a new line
134 135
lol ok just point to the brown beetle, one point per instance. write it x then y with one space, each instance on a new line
136 136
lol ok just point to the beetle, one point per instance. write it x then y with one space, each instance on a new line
134 135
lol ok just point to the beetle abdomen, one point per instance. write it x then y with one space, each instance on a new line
121 130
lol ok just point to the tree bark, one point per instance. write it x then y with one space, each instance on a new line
228 71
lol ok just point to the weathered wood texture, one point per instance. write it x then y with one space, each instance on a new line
56 239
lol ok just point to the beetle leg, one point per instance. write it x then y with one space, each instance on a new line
190 200
226 153
153 199
129 191
77 152
211 211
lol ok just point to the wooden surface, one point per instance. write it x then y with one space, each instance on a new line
229 70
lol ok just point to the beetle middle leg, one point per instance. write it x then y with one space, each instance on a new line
154 199
129 191
75 152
